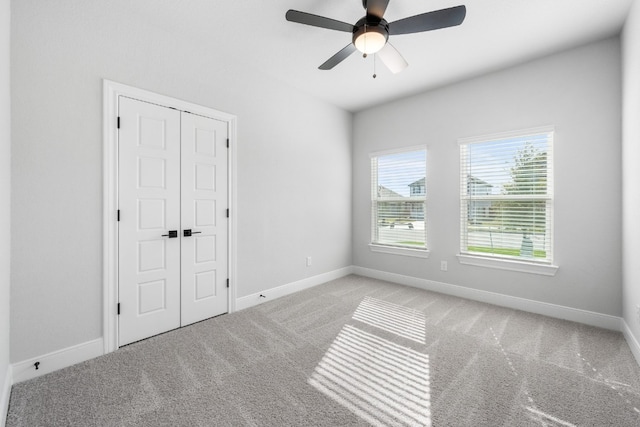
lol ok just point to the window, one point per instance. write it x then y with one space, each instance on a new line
506 196
398 201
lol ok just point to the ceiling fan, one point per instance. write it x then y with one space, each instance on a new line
371 33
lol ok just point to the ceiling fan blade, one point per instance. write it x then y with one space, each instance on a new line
376 7
429 21
318 21
338 57
390 56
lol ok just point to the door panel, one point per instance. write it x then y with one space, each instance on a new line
149 203
204 207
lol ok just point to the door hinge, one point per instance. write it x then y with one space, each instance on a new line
227 283
227 213
118 125
118 214
227 142
118 309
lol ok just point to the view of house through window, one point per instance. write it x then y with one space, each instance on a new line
506 196
398 198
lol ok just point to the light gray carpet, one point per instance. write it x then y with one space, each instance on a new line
352 352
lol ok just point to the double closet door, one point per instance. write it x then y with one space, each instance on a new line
172 228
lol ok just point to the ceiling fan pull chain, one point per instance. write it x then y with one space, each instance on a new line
374 65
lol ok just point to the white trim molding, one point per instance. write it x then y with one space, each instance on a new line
507 134
397 150
25 370
552 310
5 394
396 250
633 343
56 360
290 288
507 264
111 92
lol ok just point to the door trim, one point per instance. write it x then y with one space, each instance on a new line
111 92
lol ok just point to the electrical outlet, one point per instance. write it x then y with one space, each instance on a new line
308 261
443 265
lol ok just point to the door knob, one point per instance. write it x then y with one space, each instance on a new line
188 232
172 234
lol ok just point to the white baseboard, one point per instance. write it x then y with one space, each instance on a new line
53 361
5 394
634 345
552 310
289 288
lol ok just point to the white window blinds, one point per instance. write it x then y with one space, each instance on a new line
398 198
506 196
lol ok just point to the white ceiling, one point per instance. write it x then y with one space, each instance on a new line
495 34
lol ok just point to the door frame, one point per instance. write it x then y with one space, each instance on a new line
111 92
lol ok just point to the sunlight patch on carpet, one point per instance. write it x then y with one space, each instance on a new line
382 382
394 318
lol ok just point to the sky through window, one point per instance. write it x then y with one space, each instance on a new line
413 169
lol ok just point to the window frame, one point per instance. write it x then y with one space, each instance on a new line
374 244
506 262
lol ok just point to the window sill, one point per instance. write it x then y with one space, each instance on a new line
511 265
395 250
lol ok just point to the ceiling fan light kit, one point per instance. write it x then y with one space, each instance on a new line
370 35
369 42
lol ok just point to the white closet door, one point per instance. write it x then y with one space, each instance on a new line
149 204
204 217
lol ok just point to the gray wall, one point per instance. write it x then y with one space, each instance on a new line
577 91
631 168
294 160
295 165
5 198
